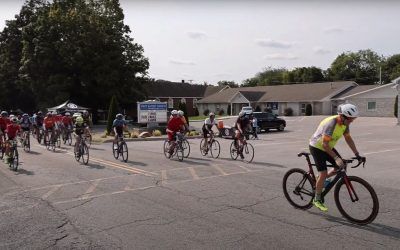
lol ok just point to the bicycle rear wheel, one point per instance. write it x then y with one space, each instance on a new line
84 153
124 151
215 149
77 154
356 200
14 160
58 141
248 152
203 149
233 151
115 149
186 148
298 188
88 140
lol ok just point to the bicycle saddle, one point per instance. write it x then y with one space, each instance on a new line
303 153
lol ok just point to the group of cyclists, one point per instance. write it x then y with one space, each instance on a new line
50 126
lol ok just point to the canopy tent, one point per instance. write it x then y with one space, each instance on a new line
67 107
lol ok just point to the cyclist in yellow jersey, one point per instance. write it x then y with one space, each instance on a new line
322 144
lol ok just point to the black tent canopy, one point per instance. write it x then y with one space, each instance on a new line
67 107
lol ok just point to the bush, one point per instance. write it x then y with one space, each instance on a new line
258 109
308 110
396 106
288 112
157 132
268 110
135 134
196 112
206 112
193 133
221 112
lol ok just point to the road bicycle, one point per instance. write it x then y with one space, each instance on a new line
26 141
355 198
212 146
50 140
81 151
177 145
13 157
243 149
120 148
67 136
88 139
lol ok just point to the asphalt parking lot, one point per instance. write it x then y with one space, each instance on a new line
154 202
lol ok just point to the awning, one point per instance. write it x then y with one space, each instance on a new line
67 107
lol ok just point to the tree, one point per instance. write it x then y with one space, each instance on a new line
391 68
269 76
112 112
361 67
231 84
303 75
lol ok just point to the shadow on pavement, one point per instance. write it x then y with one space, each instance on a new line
33 153
266 164
25 172
95 166
136 163
373 227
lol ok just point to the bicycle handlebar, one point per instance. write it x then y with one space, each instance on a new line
360 160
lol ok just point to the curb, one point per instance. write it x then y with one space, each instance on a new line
150 139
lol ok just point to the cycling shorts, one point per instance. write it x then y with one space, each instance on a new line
321 157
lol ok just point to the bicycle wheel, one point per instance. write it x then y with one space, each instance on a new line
69 139
2 149
186 148
123 149
76 152
215 149
47 141
233 151
115 149
166 149
26 144
84 153
248 152
203 150
357 200
14 160
298 188
58 141
88 140
179 152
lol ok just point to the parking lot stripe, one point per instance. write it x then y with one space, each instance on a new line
279 143
128 184
193 173
242 167
219 169
50 192
164 176
90 189
383 151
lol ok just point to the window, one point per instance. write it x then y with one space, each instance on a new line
170 103
371 106
218 107
303 108
183 100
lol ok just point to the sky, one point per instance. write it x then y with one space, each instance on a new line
208 41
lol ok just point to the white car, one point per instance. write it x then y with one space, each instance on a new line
247 110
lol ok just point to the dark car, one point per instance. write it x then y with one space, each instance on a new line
267 121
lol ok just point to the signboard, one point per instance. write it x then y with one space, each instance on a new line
152 112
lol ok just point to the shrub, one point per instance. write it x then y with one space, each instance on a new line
221 112
135 134
193 133
288 112
206 112
308 110
196 112
157 132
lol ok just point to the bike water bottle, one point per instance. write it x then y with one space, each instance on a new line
326 182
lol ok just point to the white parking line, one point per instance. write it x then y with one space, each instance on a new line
279 143
383 151
90 189
52 191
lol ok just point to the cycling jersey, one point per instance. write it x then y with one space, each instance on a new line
79 129
175 125
67 121
12 130
25 123
331 129
39 120
208 124
49 122
4 121
243 121
119 123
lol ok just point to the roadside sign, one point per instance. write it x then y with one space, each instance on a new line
152 112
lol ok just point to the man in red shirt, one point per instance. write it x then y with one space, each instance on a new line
49 125
12 130
4 121
175 124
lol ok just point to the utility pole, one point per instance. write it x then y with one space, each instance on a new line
380 75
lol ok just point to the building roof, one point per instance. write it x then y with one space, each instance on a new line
367 90
354 90
161 88
282 93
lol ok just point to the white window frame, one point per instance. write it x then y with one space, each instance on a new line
368 108
171 103
183 100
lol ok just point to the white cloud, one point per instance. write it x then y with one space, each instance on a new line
321 51
273 43
331 30
279 56
181 62
196 34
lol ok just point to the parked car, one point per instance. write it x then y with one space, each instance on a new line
247 110
267 121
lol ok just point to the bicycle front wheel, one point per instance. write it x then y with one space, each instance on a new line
233 151
14 160
186 148
356 200
85 154
248 152
298 188
203 148
179 152
115 150
124 151
215 149
166 149
76 152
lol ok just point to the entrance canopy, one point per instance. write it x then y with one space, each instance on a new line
67 107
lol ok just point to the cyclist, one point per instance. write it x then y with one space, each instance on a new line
183 118
38 123
79 130
88 121
4 121
49 125
25 124
175 124
242 123
119 125
322 144
67 123
13 129
207 128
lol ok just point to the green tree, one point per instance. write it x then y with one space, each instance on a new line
396 106
361 67
269 76
303 75
391 68
112 112
231 84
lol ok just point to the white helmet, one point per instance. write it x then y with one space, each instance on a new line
174 112
348 110
241 114
180 112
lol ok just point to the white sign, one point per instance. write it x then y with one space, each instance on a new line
152 112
